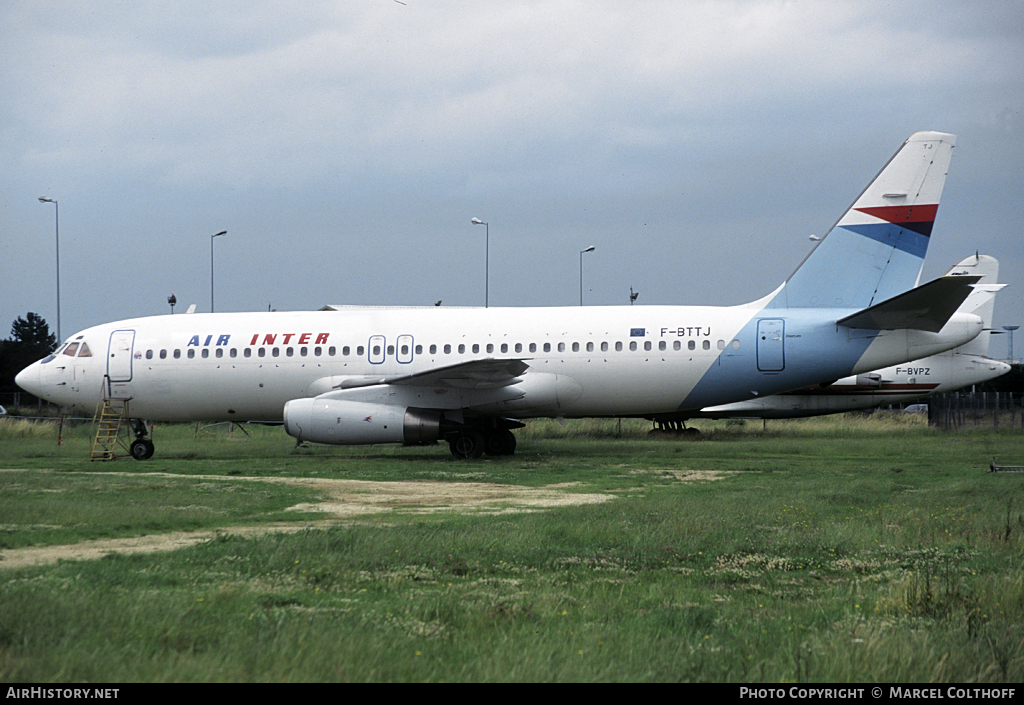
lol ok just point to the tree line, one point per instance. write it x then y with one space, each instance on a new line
30 340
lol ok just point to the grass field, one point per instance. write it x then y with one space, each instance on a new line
847 548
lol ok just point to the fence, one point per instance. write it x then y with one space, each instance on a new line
27 403
958 410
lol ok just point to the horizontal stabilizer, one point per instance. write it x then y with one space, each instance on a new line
927 308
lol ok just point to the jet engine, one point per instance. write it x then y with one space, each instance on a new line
354 423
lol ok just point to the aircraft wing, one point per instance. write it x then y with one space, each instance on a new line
489 373
927 307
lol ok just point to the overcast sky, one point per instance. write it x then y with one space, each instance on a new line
345 146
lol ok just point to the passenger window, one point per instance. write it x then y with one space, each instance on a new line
191 353
318 351
676 345
691 345
721 345
476 348
735 345
345 350
331 351
519 347
433 349
490 347
391 351
618 346
547 347
632 345
206 352
234 352
290 352
247 352
163 354
304 352
262 352
177 354
149 354
707 345
275 352
504 347
447 349
604 346
462 348
533 347
575 347
359 350
662 345
590 347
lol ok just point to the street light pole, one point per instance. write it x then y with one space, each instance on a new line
222 232
1010 329
56 211
589 249
487 258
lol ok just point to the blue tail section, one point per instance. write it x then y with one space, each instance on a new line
876 250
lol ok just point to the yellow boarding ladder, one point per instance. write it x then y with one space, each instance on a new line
110 416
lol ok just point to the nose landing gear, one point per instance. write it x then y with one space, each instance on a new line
141 448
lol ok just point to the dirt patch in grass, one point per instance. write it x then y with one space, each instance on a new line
343 500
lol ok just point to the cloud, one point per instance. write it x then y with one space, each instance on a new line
665 132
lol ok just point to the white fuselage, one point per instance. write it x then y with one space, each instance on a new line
590 361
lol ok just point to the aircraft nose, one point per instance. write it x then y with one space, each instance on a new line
28 379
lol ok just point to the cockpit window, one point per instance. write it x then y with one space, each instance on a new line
85 351
71 350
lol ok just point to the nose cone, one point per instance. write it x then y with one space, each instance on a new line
28 379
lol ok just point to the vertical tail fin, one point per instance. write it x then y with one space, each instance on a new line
876 250
982 300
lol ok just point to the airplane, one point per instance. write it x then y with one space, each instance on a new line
468 376
946 372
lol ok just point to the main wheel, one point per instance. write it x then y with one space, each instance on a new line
466 444
141 449
500 442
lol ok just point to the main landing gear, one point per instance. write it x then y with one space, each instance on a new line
674 426
141 448
471 443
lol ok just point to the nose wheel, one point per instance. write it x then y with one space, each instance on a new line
141 449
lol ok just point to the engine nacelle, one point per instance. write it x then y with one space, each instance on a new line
355 423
